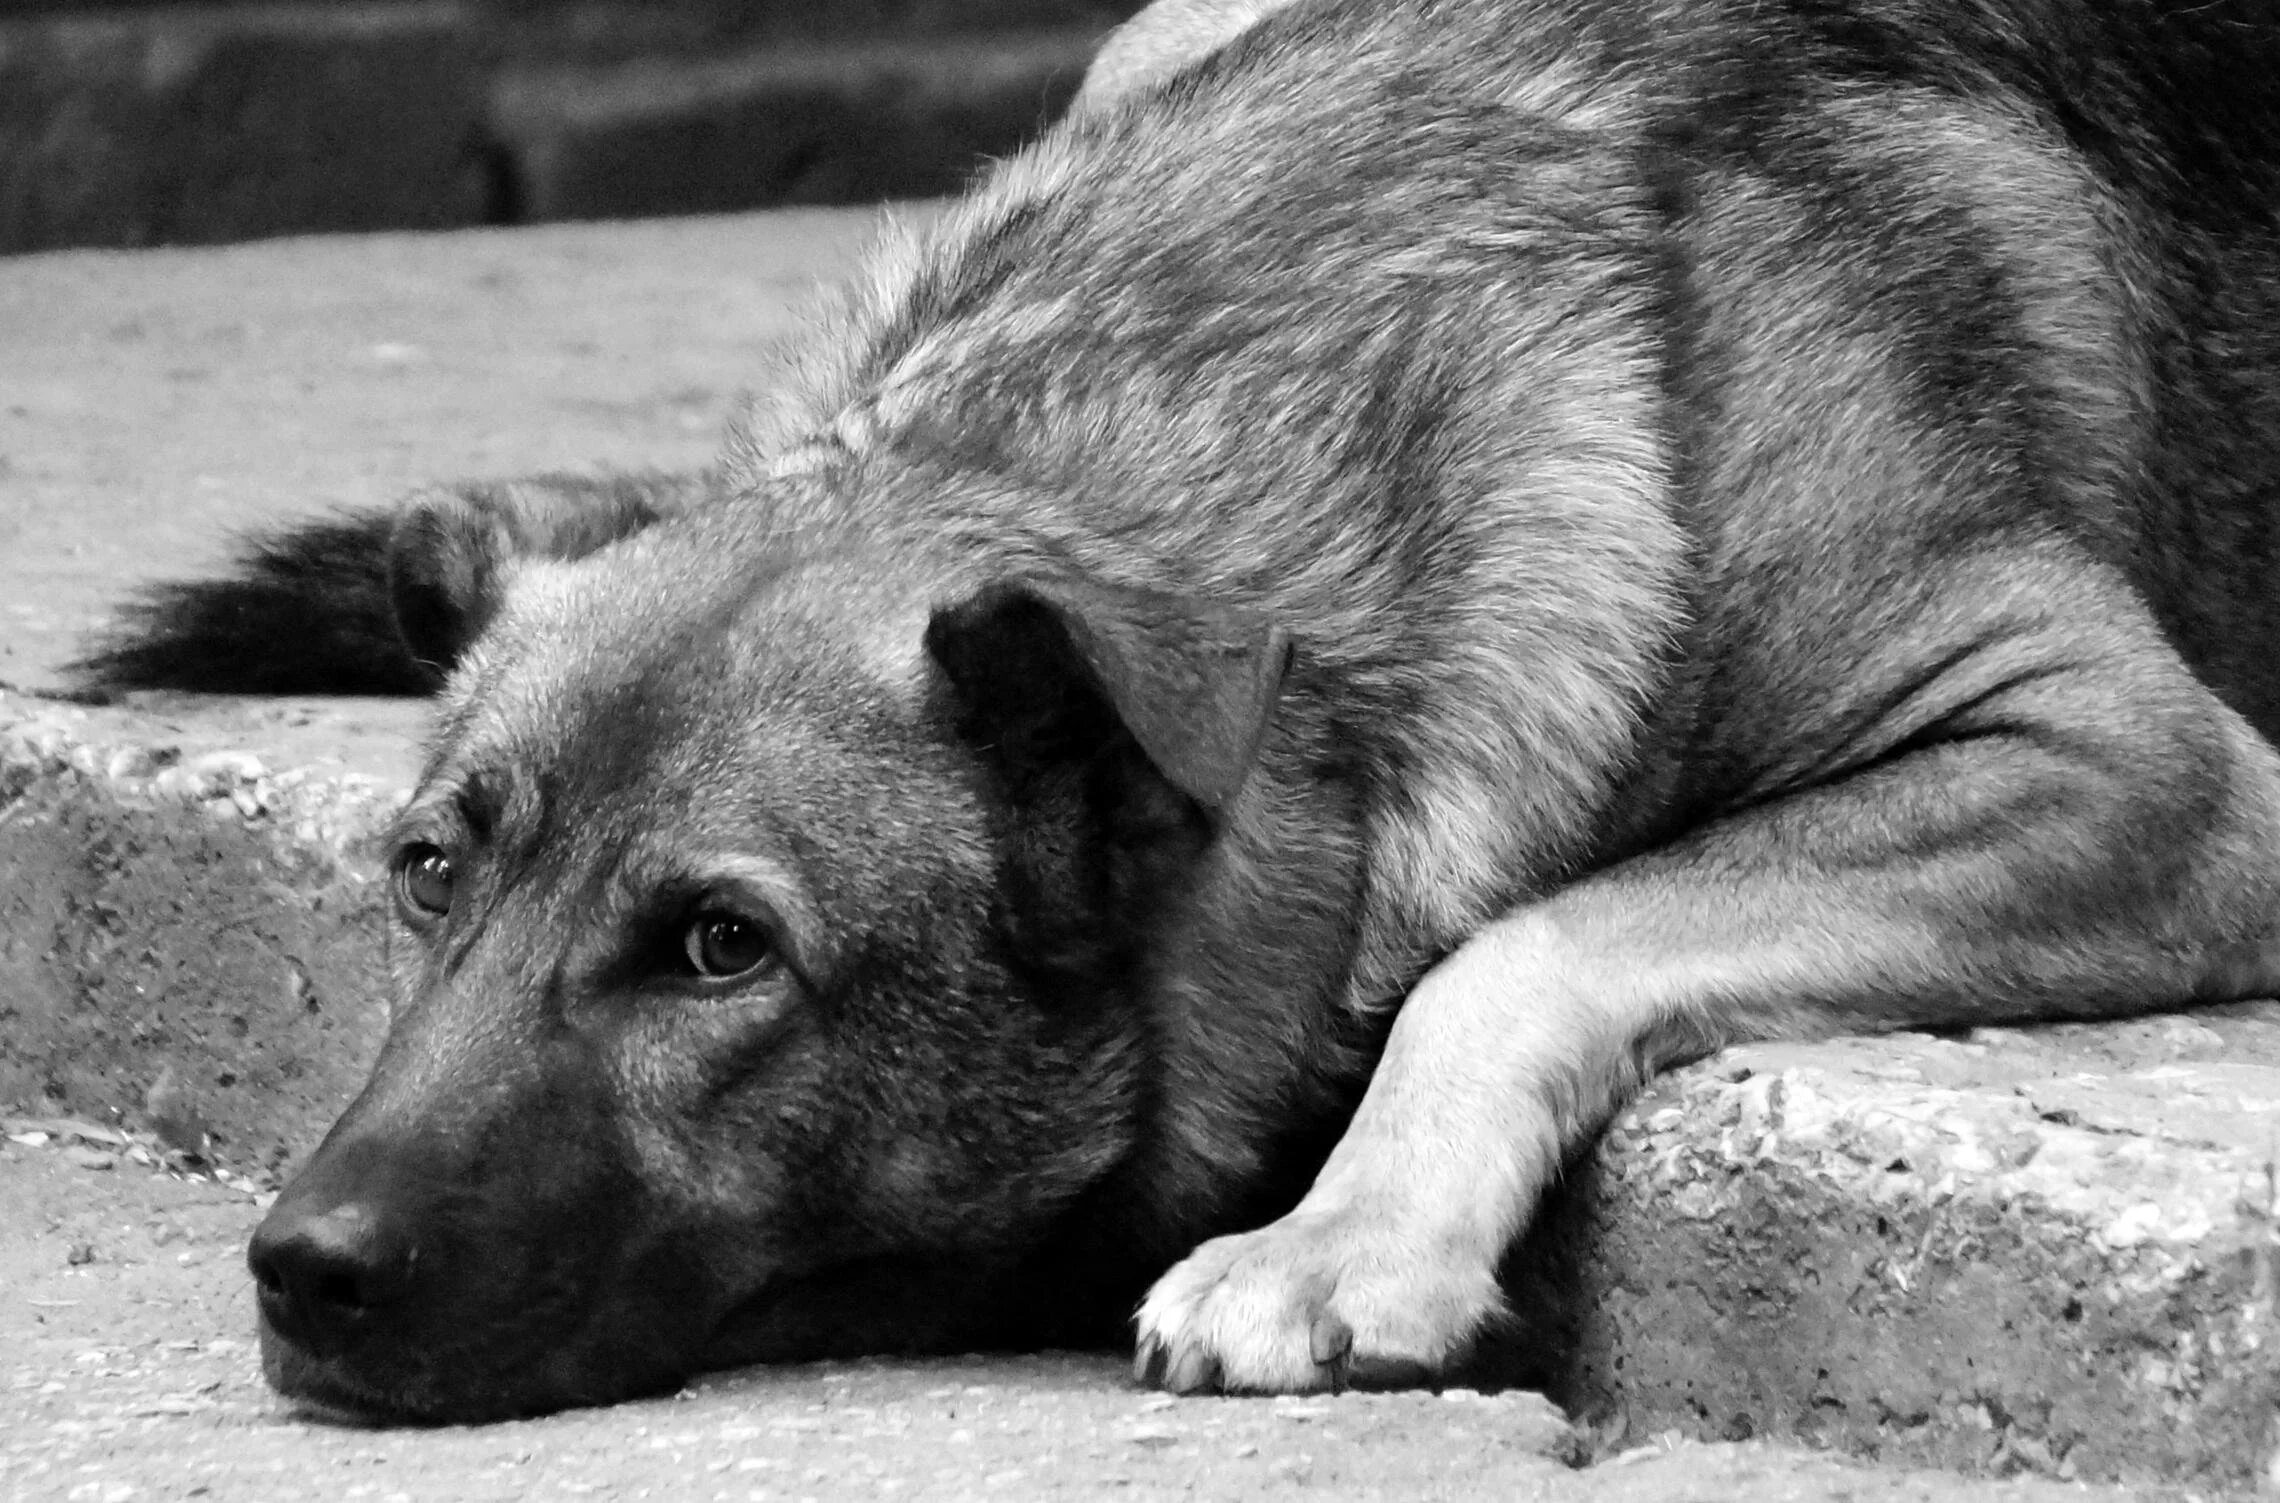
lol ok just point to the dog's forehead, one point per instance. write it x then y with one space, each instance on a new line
689 692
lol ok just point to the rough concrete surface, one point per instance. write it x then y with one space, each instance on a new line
2043 1253
202 123
2050 1250
777 125
177 918
215 123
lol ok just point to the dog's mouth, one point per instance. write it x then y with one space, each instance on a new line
519 1363
904 1304
330 1394
334 1392
791 1320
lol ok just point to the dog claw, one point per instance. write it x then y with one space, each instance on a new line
1193 1372
1148 1364
1329 1340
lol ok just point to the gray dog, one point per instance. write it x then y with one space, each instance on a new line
1409 565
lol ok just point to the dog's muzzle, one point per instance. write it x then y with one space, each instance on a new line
322 1274
399 1280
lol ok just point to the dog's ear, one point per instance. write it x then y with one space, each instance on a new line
446 572
1040 664
452 549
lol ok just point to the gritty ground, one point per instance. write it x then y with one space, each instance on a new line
152 403
127 1372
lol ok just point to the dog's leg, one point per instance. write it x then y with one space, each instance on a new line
2092 834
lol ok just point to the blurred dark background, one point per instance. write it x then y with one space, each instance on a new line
180 122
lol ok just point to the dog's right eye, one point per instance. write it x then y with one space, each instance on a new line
725 945
424 878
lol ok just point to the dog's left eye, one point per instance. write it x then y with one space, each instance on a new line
424 879
722 945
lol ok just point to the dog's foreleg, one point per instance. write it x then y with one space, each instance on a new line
2058 855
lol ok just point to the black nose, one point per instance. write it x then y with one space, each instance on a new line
324 1274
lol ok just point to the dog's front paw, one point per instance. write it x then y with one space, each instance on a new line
1317 1300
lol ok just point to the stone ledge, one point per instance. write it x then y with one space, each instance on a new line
838 124
2047 1250
201 125
186 894
613 31
205 123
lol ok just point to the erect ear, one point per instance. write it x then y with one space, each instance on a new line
452 549
1193 682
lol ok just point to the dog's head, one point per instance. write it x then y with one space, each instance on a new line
769 922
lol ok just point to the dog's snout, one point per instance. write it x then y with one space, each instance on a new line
322 1275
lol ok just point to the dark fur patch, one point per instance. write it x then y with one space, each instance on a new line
307 611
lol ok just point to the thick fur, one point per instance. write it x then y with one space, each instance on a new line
1424 566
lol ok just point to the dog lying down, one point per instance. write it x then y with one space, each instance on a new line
1407 566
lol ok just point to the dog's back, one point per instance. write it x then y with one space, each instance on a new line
1817 300
2031 244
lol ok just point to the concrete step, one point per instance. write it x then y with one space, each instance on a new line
776 125
195 124
2046 1252
2049 1250
202 124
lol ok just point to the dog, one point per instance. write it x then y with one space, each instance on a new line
1409 565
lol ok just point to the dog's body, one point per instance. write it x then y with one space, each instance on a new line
1534 538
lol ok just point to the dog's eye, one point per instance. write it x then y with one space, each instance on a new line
423 879
722 945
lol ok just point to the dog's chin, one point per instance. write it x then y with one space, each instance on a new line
897 1306
328 1391
900 1306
